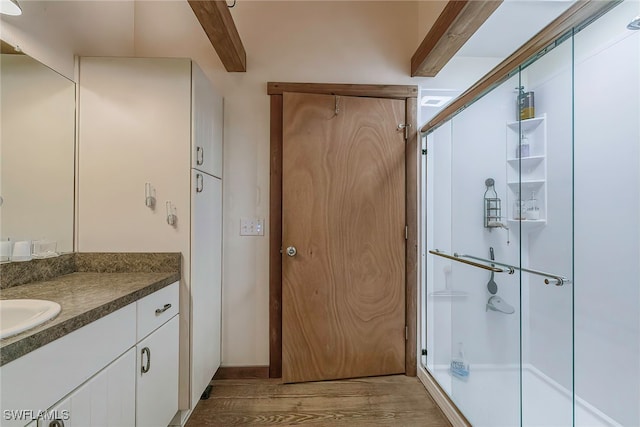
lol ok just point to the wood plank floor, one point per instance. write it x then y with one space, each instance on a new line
382 401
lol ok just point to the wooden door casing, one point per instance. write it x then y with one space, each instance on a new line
409 94
344 209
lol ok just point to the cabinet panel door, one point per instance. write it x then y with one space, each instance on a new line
206 278
121 391
105 400
157 388
207 131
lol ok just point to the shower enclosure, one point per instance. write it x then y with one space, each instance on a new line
531 246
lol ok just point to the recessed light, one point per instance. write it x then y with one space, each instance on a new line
634 24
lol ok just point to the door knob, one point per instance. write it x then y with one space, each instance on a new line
292 251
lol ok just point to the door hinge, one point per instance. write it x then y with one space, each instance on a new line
406 127
281 250
424 151
406 232
406 333
424 352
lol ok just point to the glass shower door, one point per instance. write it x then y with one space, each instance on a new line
499 230
546 240
473 305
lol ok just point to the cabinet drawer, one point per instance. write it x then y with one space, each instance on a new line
156 309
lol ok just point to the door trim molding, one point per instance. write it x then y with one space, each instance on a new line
407 92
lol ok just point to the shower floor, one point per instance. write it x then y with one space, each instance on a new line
491 398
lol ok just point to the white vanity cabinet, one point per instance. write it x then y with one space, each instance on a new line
93 376
157 358
157 121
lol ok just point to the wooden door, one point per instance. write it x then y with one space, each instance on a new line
343 205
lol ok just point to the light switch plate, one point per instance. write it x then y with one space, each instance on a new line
251 226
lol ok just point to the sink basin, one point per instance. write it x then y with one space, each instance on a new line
18 315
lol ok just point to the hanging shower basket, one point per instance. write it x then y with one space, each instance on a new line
492 206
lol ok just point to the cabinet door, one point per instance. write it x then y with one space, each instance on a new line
207 125
206 278
157 376
105 400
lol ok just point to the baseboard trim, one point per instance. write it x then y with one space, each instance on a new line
241 372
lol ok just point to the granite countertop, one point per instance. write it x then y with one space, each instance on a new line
84 297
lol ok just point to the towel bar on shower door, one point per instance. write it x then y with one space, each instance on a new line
549 277
458 258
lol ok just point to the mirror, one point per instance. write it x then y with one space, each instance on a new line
37 149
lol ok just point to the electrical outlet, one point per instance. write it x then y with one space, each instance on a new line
251 227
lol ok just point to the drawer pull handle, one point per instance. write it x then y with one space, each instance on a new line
146 368
163 309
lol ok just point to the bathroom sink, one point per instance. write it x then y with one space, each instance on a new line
18 315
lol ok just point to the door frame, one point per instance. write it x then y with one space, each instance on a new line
409 94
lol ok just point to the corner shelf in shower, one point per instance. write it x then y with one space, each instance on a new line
527 163
527 175
527 125
530 185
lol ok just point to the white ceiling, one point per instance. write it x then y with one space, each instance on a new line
511 25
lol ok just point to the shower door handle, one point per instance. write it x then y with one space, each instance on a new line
549 278
459 258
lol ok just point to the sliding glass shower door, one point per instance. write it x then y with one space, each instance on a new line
531 296
499 296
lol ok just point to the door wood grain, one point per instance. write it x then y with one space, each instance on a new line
343 208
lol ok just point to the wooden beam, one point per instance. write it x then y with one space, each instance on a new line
216 20
580 13
459 20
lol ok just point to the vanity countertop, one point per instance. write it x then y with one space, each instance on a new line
84 297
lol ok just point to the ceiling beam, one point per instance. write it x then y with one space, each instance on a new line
216 20
459 20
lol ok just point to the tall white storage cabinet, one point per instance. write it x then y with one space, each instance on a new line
157 121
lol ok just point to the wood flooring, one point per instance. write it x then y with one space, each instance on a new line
378 401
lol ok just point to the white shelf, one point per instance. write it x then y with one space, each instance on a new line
527 176
526 162
526 125
527 185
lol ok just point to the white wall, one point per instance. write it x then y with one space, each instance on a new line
607 216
